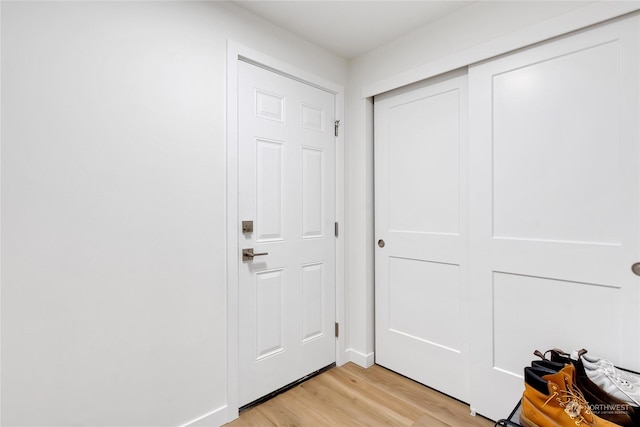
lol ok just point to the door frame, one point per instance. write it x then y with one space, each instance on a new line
237 52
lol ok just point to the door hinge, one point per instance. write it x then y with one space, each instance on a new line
337 329
335 229
336 125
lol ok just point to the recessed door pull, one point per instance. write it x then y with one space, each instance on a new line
247 254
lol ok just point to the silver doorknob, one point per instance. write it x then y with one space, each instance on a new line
636 268
381 243
248 254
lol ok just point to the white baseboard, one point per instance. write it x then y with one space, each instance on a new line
215 418
364 360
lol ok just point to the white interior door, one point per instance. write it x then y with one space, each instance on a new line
287 188
420 202
554 207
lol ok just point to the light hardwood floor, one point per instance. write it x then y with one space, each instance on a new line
353 396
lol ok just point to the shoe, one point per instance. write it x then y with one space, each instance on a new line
608 381
593 364
616 386
622 384
552 400
601 403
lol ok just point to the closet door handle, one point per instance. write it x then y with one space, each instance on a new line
636 268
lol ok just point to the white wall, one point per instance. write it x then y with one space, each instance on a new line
418 55
113 207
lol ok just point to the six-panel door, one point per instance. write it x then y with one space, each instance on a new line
287 188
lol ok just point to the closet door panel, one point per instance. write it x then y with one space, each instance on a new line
554 208
556 162
421 287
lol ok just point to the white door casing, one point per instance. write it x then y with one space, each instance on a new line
554 208
286 158
420 204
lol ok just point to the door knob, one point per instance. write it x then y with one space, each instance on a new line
381 243
636 268
247 254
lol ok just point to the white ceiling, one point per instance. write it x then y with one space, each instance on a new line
350 28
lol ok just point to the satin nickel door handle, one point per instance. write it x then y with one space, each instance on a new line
247 254
636 268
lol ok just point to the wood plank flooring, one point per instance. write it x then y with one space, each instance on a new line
350 395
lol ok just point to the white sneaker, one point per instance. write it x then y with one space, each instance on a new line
616 387
605 377
593 364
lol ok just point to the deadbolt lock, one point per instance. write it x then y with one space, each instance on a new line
247 226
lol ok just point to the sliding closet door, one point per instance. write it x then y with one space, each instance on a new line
554 207
420 202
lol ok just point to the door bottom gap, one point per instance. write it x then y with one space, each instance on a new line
285 388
